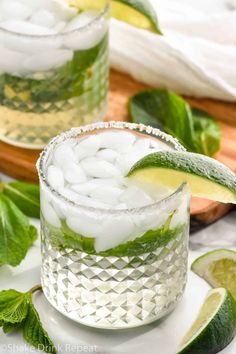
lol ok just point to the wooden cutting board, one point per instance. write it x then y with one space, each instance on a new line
20 163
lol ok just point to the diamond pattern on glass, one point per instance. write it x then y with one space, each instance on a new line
112 292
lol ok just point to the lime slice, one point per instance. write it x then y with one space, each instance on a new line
138 13
215 326
206 177
218 268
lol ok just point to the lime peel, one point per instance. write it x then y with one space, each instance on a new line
215 326
218 268
206 177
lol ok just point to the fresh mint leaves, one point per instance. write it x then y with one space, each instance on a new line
25 196
16 233
17 311
207 132
163 109
149 242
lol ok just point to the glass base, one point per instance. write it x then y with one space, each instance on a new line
115 292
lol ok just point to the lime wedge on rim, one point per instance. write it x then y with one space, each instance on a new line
206 177
138 13
218 268
215 326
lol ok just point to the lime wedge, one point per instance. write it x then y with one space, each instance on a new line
138 13
215 326
218 268
206 177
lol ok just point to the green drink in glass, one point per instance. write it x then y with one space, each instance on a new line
114 254
53 69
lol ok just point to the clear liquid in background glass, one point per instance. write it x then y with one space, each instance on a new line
114 254
53 69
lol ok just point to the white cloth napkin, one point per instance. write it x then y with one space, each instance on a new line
196 56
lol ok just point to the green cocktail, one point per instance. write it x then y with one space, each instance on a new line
53 71
114 254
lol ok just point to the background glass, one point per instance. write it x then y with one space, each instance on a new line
50 83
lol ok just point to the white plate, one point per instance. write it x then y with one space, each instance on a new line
158 338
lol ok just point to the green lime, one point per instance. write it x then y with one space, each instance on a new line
215 326
218 268
206 177
138 13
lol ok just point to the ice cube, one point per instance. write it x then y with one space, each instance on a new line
63 154
69 194
84 225
115 231
141 144
60 8
108 155
25 27
80 200
29 45
81 20
159 144
121 206
55 177
181 215
49 60
11 61
87 37
33 4
120 141
97 168
49 214
90 202
151 221
15 10
88 147
108 182
126 161
135 197
59 26
84 188
58 209
107 194
43 18
73 173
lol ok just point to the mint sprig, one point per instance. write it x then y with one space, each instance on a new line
17 201
24 195
163 109
17 311
16 233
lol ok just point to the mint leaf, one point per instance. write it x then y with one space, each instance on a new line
147 243
13 306
10 327
17 311
35 334
163 109
207 132
16 233
65 238
25 196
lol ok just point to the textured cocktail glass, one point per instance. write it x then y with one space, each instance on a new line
50 83
124 287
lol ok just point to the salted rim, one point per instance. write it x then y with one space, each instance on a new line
96 20
74 132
